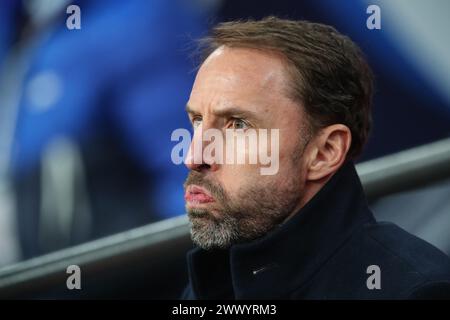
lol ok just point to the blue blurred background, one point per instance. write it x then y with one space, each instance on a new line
86 115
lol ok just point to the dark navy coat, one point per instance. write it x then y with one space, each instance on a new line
328 250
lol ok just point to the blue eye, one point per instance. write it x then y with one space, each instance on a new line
239 124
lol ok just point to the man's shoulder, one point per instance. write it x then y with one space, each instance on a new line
407 254
383 261
390 242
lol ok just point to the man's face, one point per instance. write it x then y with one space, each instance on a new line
239 88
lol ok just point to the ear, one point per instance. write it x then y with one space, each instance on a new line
328 151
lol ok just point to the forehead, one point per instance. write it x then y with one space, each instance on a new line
239 76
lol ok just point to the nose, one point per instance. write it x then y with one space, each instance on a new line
196 159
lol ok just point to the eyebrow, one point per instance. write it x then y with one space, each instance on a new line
190 110
228 112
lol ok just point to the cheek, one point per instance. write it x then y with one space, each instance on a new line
235 177
290 168
285 155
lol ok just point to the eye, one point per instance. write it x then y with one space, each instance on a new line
196 121
239 123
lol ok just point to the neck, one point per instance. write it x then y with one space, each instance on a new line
310 189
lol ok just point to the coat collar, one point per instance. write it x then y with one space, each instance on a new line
276 264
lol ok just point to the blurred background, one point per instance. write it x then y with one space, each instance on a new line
86 114
86 117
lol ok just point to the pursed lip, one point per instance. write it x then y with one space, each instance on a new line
197 195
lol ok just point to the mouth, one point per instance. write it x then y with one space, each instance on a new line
196 195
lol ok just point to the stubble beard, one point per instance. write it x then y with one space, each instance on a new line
255 212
